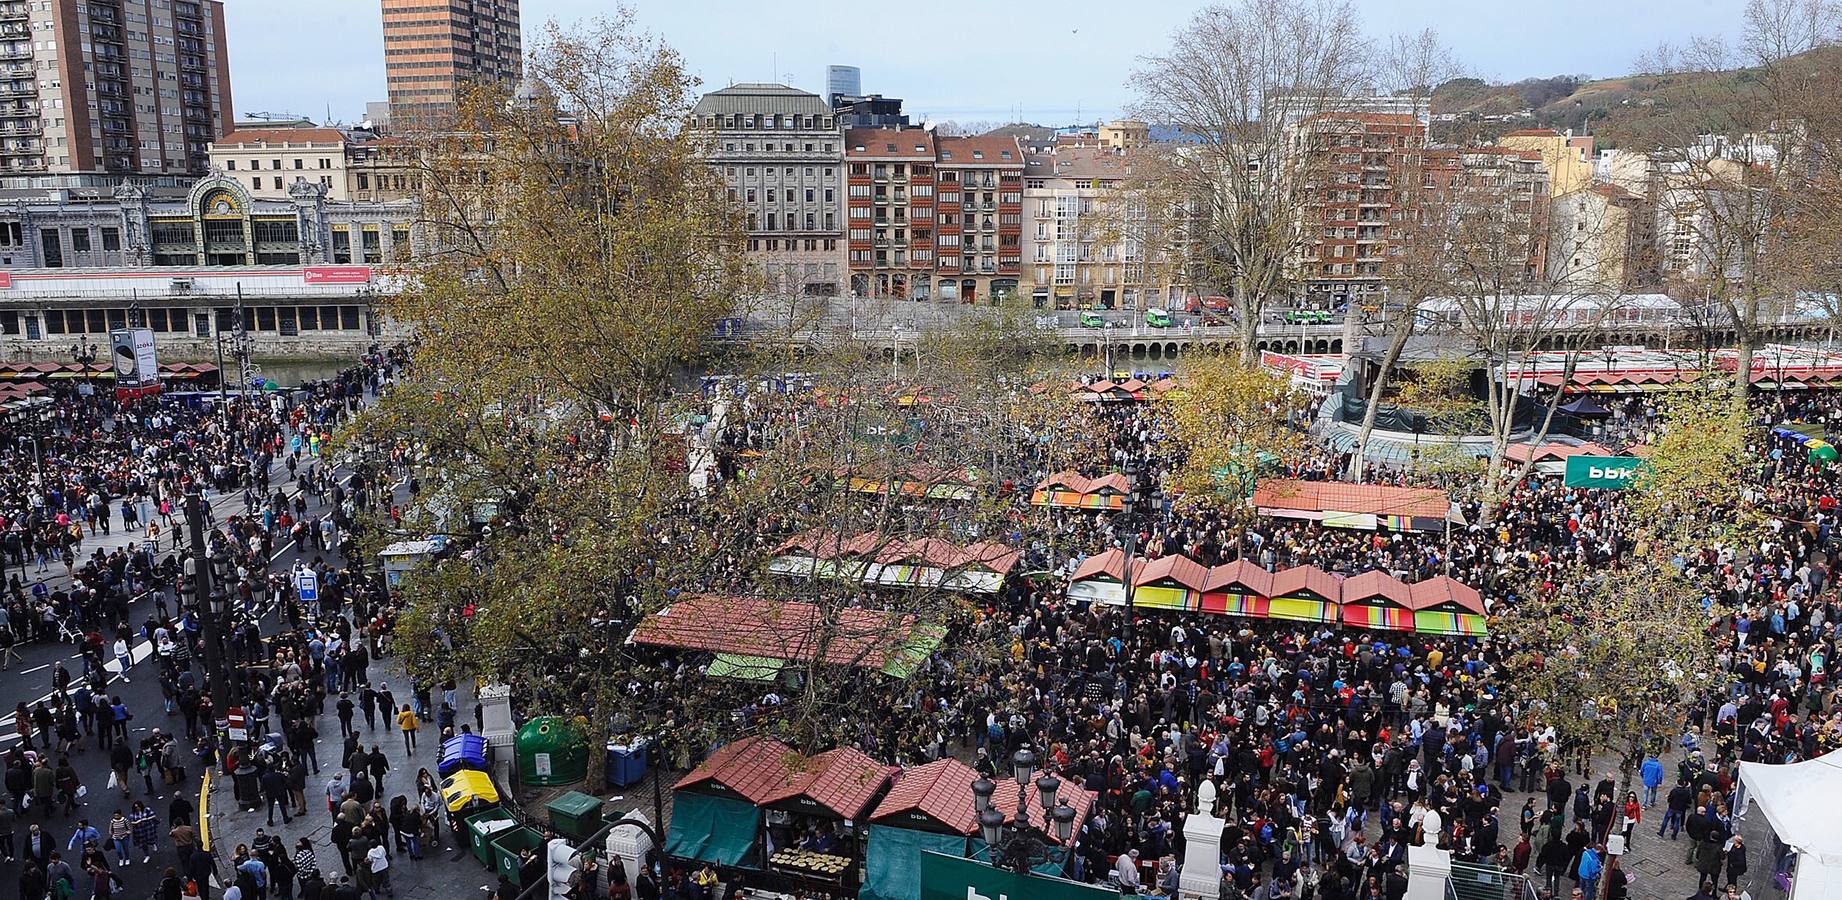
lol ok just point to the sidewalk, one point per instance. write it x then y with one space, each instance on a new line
437 874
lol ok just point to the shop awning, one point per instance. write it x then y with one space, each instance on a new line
745 668
717 830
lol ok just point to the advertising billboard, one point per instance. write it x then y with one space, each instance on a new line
336 275
137 372
1608 472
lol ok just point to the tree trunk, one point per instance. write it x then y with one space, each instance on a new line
1746 344
1396 344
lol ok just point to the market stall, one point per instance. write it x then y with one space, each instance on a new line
977 568
716 807
755 628
1304 594
814 845
1300 594
1361 506
929 808
1071 490
1377 600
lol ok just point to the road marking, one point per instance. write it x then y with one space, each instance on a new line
35 669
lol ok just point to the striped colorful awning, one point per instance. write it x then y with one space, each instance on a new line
1363 615
1301 609
1077 500
1431 621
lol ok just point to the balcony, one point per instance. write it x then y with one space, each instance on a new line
15 53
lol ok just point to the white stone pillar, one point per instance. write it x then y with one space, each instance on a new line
497 728
1200 877
1428 870
630 845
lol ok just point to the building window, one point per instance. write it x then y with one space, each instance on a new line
111 239
80 240
374 251
342 245
53 247
230 165
399 244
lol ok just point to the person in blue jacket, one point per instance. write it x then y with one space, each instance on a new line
1652 773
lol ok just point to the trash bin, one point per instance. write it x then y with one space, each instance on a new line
462 751
575 815
506 847
551 750
627 762
481 830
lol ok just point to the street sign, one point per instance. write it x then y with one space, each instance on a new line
1609 472
307 584
238 724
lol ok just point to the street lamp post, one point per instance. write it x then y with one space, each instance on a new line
1015 843
83 353
1128 507
209 603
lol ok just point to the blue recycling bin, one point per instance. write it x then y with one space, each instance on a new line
627 762
462 751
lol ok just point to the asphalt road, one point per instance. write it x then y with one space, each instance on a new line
30 681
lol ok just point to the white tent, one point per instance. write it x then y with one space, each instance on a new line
1801 801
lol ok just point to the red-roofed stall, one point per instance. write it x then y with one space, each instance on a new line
1342 505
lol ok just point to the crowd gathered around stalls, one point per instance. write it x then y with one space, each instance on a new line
84 466
1334 746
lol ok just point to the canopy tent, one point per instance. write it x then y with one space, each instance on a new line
836 784
1800 800
745 668
1373 599
892 862
1586 406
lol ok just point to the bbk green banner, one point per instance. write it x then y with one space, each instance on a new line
1609 472
951 878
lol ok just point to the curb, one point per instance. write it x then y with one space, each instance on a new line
204 811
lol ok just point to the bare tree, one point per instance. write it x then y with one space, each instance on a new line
1236 78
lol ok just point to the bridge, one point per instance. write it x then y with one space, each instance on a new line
895 327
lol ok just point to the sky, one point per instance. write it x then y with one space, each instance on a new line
1051 62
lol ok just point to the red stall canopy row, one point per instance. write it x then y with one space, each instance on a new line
893 561
1372 599
1072 490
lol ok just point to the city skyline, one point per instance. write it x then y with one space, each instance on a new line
1089 50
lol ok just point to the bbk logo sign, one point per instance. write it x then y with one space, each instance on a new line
1604 472
1610 473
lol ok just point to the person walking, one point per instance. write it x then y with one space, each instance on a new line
1589 869
119 833
145 828
406 722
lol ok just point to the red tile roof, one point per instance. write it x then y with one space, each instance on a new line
958 151
1442 590
1552 451
930 551
940 790
1111 564
790 630
1376 585
1335 496
1005 801
909 143
754 767
1300 579
1114 483
1175 567
843 781
1240 575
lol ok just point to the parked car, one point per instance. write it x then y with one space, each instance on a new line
1157 318
1090 319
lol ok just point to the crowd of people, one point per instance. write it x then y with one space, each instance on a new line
81 466
1333 749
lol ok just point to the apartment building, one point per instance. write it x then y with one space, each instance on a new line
780 153
1085 243
1353 217
1568 159
934 217
1493 197
1603 238
433 49
111 86
269 159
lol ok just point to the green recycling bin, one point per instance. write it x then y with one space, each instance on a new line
575 815
480 834
551 750
506 846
